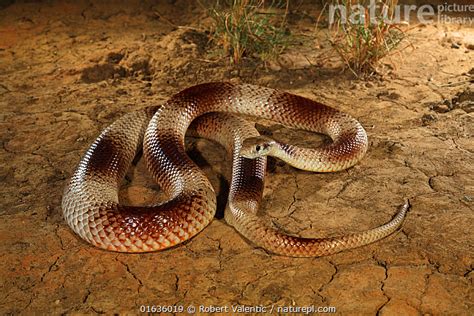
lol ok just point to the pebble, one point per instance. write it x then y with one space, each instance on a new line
441 107
467 106
388 95
469 42
455 45
426 119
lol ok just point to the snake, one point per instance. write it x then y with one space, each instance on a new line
91 205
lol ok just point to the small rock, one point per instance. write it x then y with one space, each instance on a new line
454 37
467 106
393 96
138 63
369 85
455 45
440 107
469 42
466 95
114 58
427 119
388 95
448 103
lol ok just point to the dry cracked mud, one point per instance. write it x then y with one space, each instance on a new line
68 69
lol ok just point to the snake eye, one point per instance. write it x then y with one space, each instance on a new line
257 148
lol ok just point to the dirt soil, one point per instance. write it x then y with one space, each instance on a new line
69 69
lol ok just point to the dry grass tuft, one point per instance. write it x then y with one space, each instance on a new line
250 28
362 41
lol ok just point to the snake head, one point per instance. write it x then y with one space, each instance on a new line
255 147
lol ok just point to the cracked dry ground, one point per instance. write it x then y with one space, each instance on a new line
68 72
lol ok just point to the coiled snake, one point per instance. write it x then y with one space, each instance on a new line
91 205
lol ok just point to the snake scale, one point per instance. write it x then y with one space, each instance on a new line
90 202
